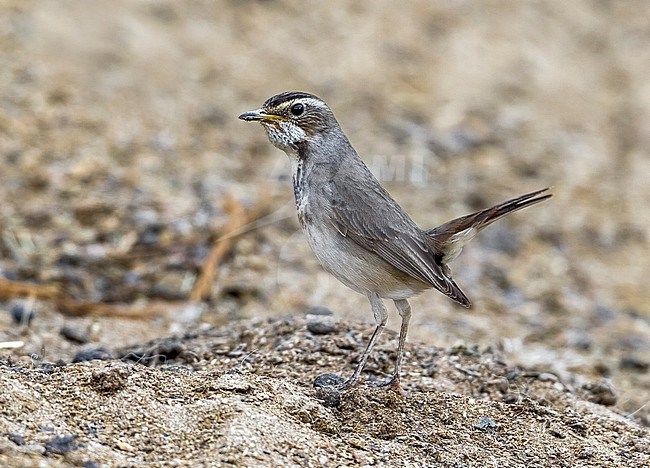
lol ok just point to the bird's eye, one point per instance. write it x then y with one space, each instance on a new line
297 109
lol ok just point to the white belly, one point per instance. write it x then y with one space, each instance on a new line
354 266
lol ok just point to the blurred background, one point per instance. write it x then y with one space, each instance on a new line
119 142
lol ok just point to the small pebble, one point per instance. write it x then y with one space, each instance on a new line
486 424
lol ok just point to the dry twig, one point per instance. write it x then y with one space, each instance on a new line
71 306
13 289
76 307
239 218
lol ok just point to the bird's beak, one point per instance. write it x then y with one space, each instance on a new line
260 115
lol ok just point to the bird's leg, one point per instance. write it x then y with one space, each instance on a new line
404 309
381 316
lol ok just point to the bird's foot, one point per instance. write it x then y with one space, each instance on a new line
391 384
333 383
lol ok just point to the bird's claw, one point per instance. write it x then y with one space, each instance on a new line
392 383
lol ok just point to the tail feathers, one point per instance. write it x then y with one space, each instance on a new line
450 238
456 294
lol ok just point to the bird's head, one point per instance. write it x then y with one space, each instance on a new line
292 118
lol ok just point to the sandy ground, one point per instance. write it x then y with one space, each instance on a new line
119 144
242 396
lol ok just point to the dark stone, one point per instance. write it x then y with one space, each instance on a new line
634 363
61 445
163 352
16 439
74 334
92 354
330 396
21 314
170 349
327 391
328 380
321 325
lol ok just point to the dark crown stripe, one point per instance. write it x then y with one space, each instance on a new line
281 98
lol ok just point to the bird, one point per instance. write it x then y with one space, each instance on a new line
356 229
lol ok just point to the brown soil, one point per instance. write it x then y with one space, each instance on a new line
119 151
